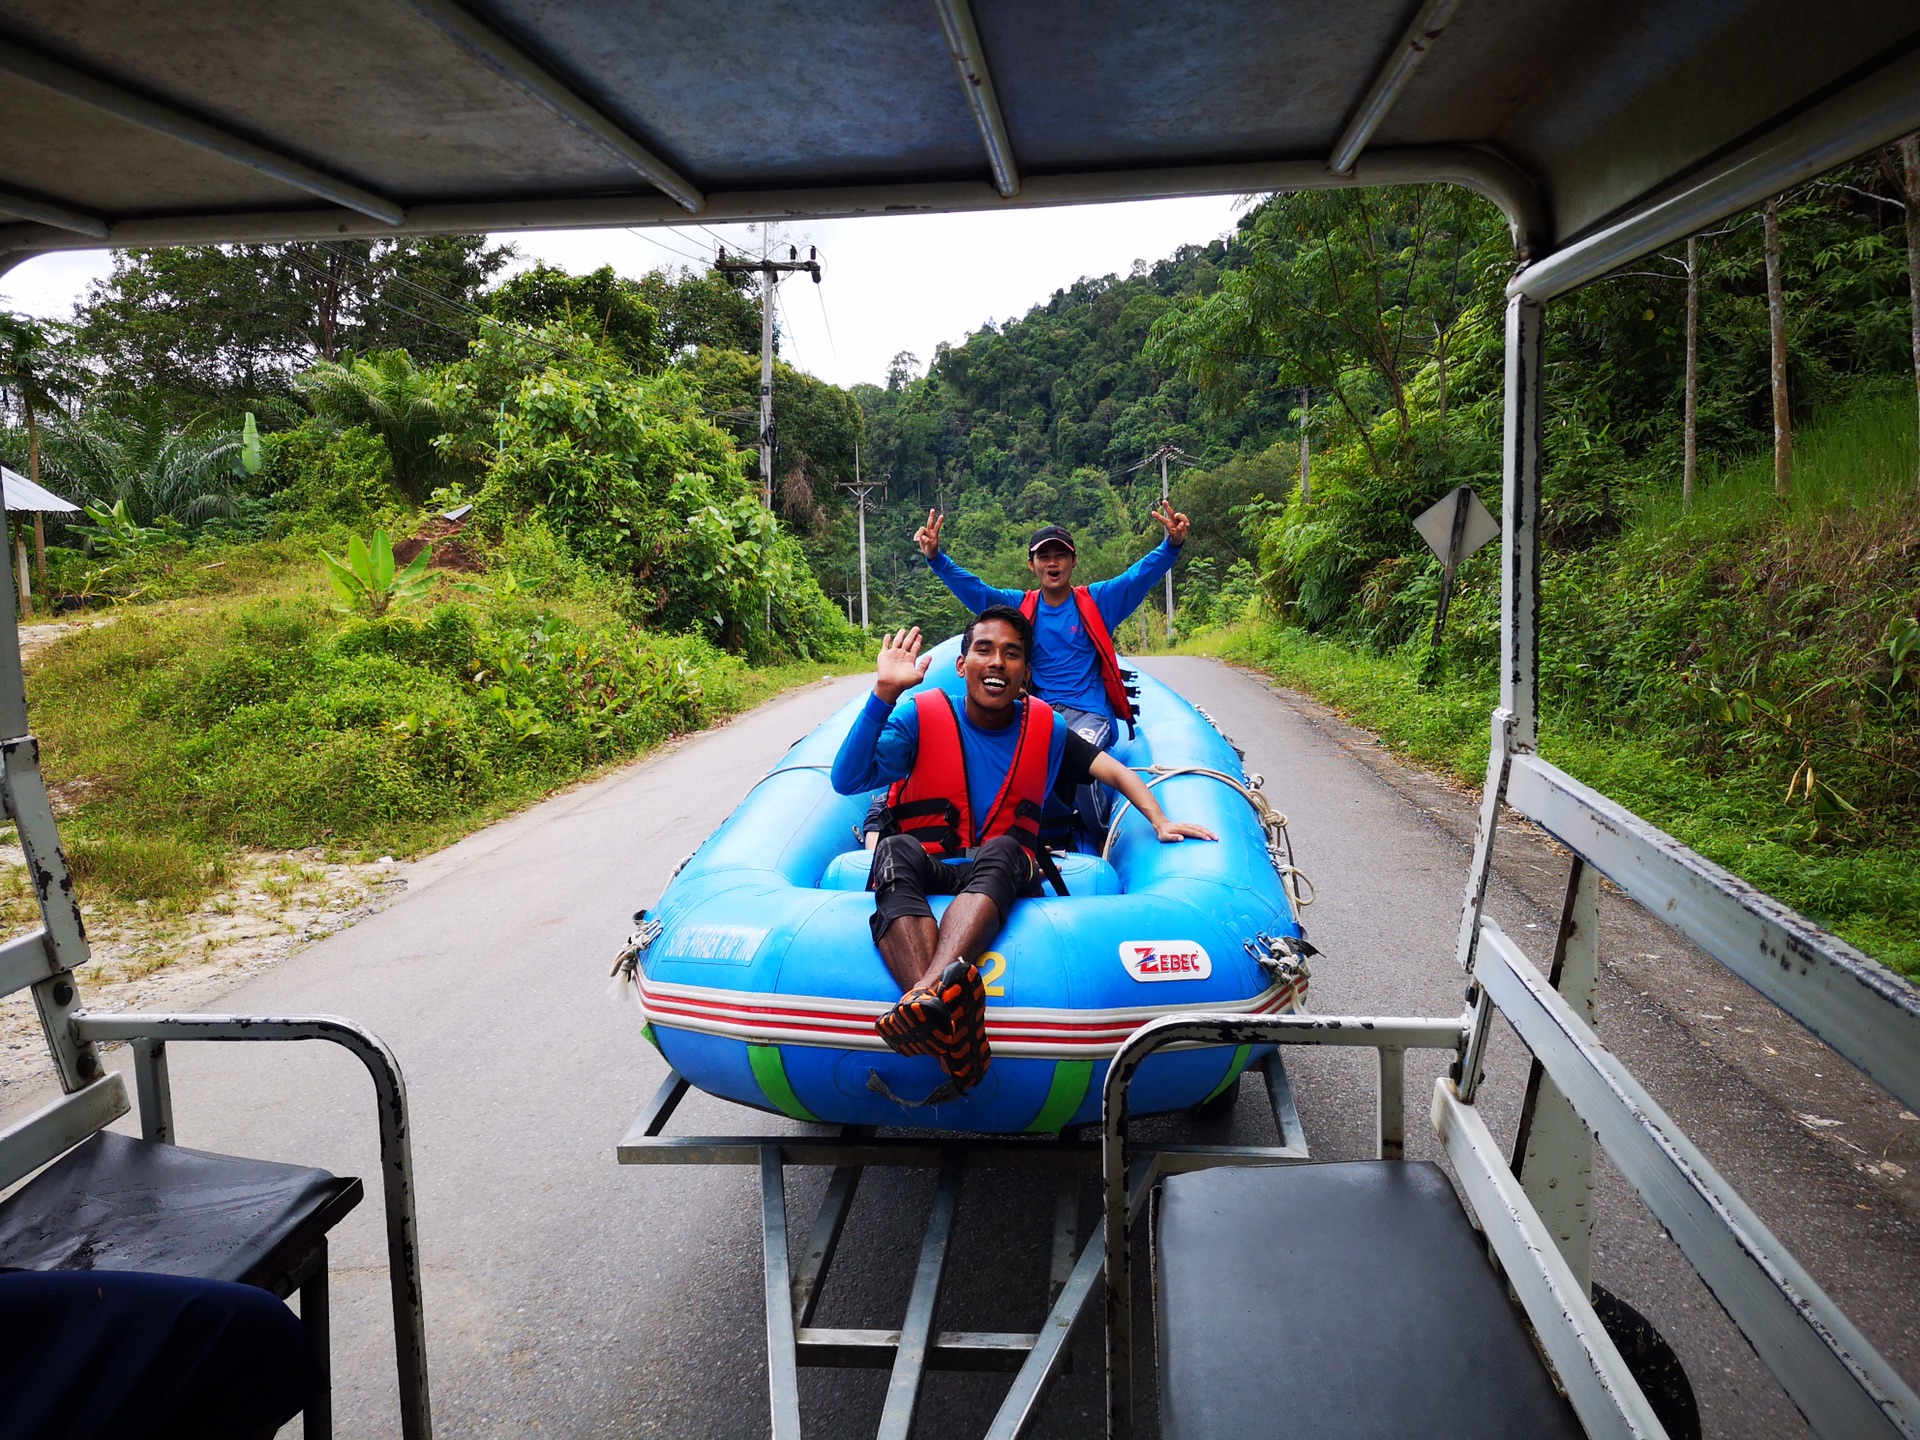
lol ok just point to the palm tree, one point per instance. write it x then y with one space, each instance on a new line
389 395
40 375
130 452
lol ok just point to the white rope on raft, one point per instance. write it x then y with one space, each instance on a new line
1272 821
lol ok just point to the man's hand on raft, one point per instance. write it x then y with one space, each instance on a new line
927 537
1175 524
1109 771
1171 830
901 665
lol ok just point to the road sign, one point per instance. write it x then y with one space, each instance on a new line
1454 526
1436 524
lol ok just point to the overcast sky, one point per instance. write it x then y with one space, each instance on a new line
891 283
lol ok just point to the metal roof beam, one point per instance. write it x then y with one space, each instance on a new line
37 69
22 206
507 59
1478 170
1389 81
963 43
1870 113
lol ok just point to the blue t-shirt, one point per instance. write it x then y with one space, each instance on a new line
1066 669
881 746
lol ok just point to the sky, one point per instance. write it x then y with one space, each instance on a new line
890 283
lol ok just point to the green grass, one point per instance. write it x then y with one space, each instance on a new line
1869 895
253 712
1646 641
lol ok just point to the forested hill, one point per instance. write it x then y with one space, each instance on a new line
1039 421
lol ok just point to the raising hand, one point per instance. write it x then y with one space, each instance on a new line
927 537
899 668
1175 523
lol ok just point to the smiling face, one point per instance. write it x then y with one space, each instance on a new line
994 665
1052 566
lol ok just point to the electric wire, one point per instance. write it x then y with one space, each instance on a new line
671 250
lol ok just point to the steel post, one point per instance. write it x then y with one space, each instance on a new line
1553 1150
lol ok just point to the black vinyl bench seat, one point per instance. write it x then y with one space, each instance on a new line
1335 1302
117 1203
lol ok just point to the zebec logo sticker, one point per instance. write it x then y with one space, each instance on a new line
1165 959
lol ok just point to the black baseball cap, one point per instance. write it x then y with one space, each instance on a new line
1051 535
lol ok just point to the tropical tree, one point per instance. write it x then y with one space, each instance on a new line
213 325
40 373
131 454
1350 292
601 303
388 394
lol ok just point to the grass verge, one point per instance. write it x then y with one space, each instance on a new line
1867 894
265 718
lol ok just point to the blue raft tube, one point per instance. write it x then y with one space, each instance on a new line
760 982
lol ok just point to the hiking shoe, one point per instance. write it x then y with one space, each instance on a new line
918 1025
964 1052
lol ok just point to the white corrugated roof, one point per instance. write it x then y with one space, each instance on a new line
23 494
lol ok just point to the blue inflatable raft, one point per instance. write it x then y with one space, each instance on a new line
760 981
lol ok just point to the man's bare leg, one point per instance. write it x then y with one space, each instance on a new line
969 925
908 948
916 951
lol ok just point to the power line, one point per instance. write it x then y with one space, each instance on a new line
677 254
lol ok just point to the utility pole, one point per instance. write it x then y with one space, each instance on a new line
862 491
769 270
1166 454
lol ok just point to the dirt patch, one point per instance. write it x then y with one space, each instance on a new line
449 552
278 903
35 638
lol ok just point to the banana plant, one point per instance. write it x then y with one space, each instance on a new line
366 579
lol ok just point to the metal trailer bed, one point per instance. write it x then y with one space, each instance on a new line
793 1285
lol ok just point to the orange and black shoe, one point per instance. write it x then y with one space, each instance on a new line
918 1025
964 1052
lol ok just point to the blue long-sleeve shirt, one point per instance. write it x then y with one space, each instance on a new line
1066 671
884 740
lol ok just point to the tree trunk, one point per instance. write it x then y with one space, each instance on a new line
1440 365
1306 463
1910 164
1777 333
33 474
1689 441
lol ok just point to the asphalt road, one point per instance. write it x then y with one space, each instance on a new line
570 1296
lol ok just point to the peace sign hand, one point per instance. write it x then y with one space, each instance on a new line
900 666
1175 523
927 537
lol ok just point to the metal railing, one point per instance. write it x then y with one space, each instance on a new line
1123 1180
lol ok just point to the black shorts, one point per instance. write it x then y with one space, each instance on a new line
904 875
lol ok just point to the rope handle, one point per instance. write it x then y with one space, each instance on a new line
1272 821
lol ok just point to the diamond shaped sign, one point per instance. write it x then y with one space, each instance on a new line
1435 524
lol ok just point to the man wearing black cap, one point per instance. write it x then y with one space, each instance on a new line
1075 667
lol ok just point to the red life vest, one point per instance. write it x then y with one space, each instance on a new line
933 803
1112 678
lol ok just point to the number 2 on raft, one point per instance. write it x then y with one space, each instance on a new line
993 965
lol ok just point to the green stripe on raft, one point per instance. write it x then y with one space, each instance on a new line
1064 1093
771 1072
1234 1069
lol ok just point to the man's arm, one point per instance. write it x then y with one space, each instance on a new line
1121 596
1109 771
969 589
880 747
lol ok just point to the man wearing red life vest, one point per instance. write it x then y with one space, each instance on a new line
1075 666
967 784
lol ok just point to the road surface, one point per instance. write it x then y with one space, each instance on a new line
570 1296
